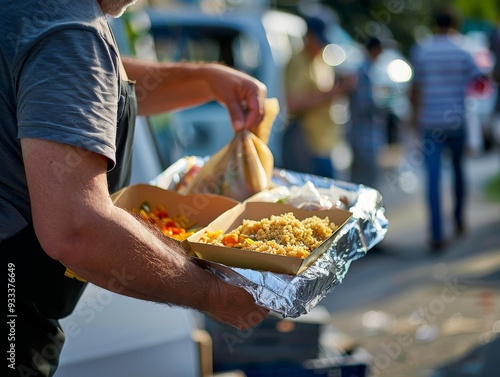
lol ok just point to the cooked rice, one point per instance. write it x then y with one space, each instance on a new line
280 234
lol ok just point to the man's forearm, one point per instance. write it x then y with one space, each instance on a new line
162 87
133 260
126 256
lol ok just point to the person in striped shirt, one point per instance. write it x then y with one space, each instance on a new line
443 71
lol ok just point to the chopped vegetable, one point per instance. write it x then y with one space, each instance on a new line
179 227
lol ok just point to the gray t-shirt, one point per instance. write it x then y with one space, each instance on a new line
59 82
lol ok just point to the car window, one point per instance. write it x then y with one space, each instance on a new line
207 43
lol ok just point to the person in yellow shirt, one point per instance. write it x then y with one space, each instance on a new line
310 88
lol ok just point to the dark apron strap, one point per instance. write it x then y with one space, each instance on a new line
119 177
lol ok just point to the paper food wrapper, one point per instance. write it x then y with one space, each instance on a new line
243 167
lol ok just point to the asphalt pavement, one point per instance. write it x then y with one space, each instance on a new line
419 313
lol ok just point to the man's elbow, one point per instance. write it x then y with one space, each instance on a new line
63 242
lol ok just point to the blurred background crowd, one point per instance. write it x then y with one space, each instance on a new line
260 37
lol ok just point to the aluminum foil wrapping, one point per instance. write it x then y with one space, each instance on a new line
294 295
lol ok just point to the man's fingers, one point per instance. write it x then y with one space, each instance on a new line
255 113
236 114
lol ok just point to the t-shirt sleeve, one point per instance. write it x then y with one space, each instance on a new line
68 91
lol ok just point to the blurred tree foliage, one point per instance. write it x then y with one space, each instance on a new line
406 20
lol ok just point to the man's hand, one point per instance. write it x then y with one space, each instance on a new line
233 305
242 95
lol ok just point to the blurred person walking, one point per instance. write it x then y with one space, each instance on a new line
443 72
367 134
310 88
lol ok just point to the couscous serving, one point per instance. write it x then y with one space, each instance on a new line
279 234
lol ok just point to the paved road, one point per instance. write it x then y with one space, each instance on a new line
415 312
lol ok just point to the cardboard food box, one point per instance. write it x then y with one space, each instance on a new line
235 257
201 208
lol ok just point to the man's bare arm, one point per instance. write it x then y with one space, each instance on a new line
78 224
163 87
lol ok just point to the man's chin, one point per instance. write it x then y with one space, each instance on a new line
117 15
116 8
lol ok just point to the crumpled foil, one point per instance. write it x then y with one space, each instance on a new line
294 295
